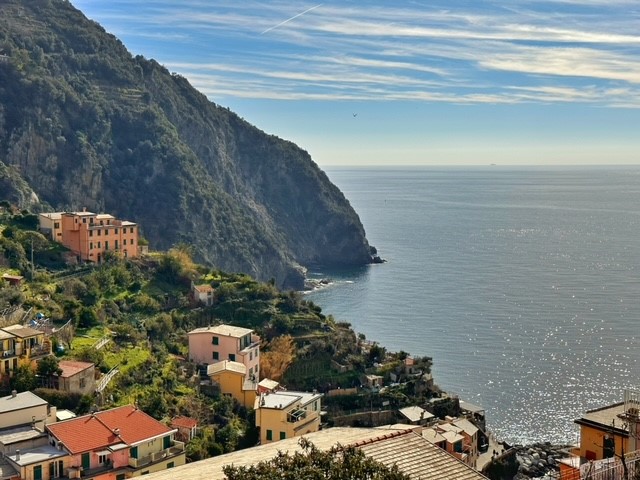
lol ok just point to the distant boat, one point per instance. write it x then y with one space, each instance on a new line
492 164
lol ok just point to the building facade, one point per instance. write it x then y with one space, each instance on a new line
225 342
115 444
287 414
89 235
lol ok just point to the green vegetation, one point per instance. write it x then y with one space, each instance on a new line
338 463
133 315
83 123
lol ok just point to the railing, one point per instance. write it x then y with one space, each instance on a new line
175 449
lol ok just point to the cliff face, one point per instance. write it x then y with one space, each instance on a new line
85 124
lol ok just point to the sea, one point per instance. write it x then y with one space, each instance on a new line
522 284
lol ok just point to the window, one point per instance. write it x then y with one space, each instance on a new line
84 220
146 472
106 245
608 447
166 442
170 465
86 460
99 232
133 452
102 459
283 435
83 382
457 447
116 231
120 476
98 244
56 225
250 356
124 241
91 233
269 435
37 472
131 230
232 357
216 356
90 245
116 244
215 340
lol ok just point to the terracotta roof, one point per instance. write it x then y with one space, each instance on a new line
203 288
94 431
70 367
184 422
83 434
417 457
135 425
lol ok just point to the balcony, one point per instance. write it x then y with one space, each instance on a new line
175 449
7 353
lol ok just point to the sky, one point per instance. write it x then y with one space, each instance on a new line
520 82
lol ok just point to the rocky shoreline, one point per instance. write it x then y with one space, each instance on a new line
539 460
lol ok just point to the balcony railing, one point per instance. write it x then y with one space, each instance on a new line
175 449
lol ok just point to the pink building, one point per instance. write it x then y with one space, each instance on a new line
115 444
225 342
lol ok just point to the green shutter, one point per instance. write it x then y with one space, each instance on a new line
269 435
166 442
283 435
86 460
133 452
37 472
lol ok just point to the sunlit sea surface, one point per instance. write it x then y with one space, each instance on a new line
523 284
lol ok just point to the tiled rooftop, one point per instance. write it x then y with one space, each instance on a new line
414 456
70 367
98 430
417 457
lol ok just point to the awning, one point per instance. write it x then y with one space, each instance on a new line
104 452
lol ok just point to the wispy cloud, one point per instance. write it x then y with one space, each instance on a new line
533 51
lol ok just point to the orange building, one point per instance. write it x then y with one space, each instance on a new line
91 235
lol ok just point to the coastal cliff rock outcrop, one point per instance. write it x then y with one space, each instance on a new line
83 123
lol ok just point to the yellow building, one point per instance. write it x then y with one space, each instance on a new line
21 345
232 379
286 414
603 432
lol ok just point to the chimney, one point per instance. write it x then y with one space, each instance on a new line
116 432
14 393
17 455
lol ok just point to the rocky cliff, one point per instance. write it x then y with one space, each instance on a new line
85 124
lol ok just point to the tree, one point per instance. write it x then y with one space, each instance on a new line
24 379
338 463
47 367
275 361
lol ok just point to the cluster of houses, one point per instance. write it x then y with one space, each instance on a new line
119 443
37 442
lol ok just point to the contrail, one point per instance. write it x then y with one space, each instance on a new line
292 18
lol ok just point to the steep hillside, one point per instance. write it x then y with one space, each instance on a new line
85 124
